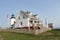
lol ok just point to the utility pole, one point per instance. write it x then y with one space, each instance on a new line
46 24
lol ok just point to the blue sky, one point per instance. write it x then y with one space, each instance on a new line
46 9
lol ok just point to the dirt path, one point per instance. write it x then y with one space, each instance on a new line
1 37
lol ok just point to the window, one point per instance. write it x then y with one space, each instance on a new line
21 23
35 22
31 21
23 17
19 18
38 21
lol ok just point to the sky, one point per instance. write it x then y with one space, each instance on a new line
46 9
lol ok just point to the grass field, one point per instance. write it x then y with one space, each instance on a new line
50 35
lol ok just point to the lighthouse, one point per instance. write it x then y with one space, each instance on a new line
13 21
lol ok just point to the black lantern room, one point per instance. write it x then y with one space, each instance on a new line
12 16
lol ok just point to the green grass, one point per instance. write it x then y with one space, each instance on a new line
49 35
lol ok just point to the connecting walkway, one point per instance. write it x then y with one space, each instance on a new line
27 31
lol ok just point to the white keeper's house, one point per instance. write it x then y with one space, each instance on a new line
27 19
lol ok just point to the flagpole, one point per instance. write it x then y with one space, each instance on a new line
7 20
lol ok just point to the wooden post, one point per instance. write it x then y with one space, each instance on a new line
29 28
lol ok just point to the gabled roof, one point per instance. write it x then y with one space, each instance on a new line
28 14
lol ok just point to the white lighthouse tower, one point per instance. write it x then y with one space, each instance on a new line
13 21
